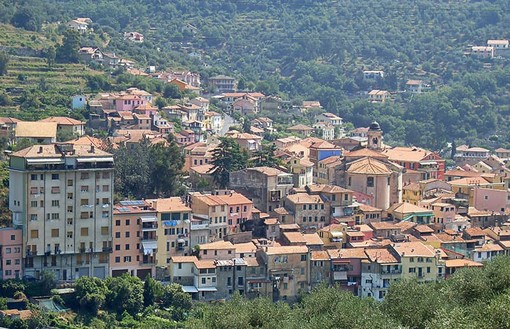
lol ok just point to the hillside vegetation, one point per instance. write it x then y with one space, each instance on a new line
318 49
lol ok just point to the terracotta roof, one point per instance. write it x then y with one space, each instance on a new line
184 259
319 255
413 249
406 208
289 227
205 263
469 181
295 237
461 173
169 204
300 127
301 198
52 151
87 140
406 226
365 152
280 211
380 255
267 171
489 247
313 239
202 169
217 245
271 221
406 154
348 253
248 247
63 121
411 187
286 250
462 263
26 129
423 229
368 166
474 231
384 226
473 212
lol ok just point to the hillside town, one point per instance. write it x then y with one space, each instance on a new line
340 208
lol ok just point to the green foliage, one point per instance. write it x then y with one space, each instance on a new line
147 169
91 293
9 287
177 300
3 303
265 157
27 17
4 61
227 157
125 293
68 51
152 291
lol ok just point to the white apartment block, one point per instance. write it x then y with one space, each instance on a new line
61 197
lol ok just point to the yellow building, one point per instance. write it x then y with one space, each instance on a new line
419 261
333 235
172 230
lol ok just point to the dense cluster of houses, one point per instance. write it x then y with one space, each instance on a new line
345 210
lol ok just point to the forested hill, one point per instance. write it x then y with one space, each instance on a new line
317 49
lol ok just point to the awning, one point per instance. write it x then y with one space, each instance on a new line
213 289
189 289
149 247
147 219
430 162
342 275
107 159
45 161
336 234
181 241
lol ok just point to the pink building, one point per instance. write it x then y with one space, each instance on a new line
134 239
128 102
10 253
239 210
490 199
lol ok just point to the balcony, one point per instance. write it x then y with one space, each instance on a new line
107 249
391 272
148 227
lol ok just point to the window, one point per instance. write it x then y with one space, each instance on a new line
117 222
106 175
84 175
411 259
33 217
33 177
55 233
117 247
69 235
127 234
55 189
127 246
106 188
69 196
84 202
84 188
13 237
69 182
117 259
34 234
69 221
84 231
303 258
106 214
33 204
128 222
370 181
104 230
55 203
428 269
203 281
8 250
127 259
55 176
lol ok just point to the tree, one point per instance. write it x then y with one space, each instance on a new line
165 167
28 18
152 291
179 301
68 51
171 91
4 61
265 157
51 56
91 293
125 293
64 135
227 157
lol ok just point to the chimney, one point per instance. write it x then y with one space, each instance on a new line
92 149
40 150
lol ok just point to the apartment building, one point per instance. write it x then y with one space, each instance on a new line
172 231
134 239
60 196
10 253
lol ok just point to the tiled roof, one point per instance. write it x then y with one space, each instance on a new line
413 249
368 166
26 129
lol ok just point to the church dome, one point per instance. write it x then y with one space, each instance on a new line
374 126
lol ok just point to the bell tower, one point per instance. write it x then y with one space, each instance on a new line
375 135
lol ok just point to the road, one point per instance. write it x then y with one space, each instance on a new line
228 121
